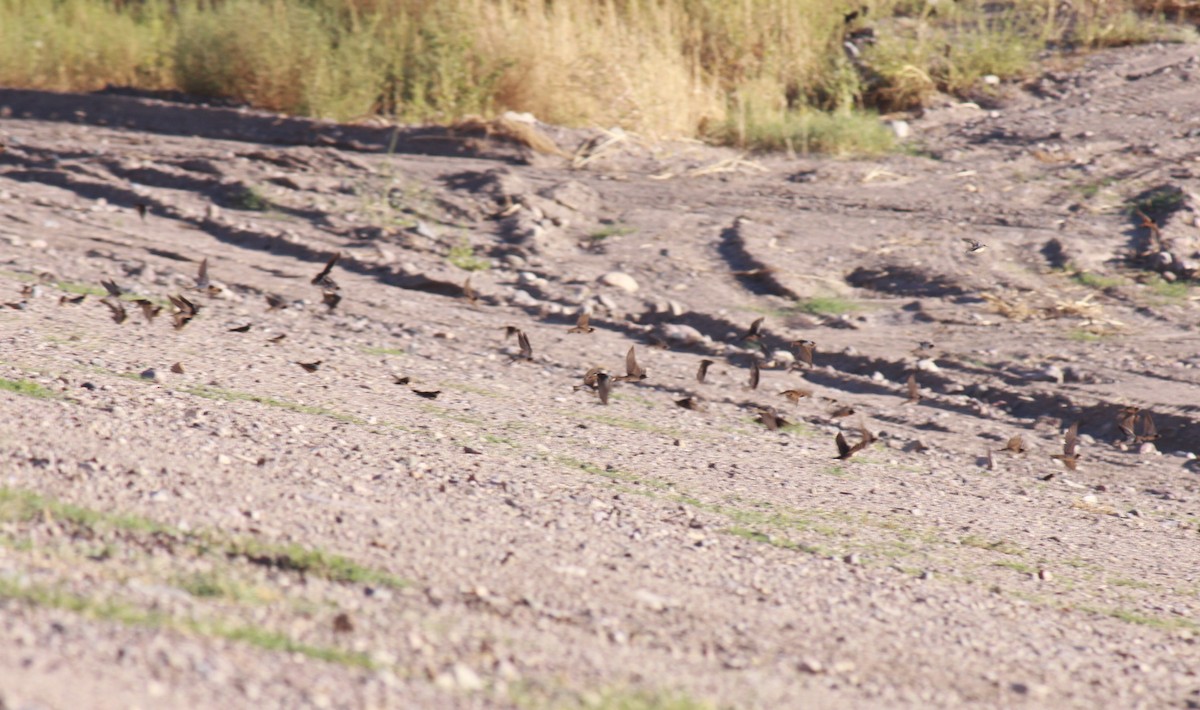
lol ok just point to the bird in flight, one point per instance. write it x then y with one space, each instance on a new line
973 245
1149 431
702 371
185 311
845 450
581 324
118 310
914 392
1070 456
754 373
754 334
322 279
804 350
310 366
1015 445
633 371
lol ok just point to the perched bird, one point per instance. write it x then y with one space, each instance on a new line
804 350
581 324
469 293
845 450
973 245
433 394
633 371
842 411
185 311
118 310
754 373
768 417
914 392
1149 431
177 368
693 403
1069 456
241 329
149 310
277 339
275 303
310 366
702 371
795 395
322 279
1015 445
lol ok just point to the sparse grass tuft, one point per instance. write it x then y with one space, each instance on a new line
610 230
826 306
249 198
1168 290
844 133
219 393
1096 281
26 388
463 256
396 352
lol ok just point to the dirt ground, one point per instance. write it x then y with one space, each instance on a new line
246 533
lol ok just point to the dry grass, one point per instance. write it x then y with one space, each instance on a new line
758 73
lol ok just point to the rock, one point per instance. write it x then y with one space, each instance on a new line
682 333
466 679
620 280
901 129
606 302
1051 373
149 374
927 365
1148 448
524 300
811 665
990 79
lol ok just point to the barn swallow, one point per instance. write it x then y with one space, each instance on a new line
1069 456
118 310
804 350
633 371
795 395
186 311
581 324
702 371
973 245
322 279
914 392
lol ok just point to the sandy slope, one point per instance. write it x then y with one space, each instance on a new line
192 539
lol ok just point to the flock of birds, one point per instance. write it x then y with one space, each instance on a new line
1137 425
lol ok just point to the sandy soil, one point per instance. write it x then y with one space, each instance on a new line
245 533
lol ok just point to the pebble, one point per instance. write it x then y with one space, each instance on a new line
149 374
682 333
1148 448
621 280
927 365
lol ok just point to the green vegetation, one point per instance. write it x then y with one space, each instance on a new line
826 306
610 230
27 388
249 198
463 256
1168 290
397 352
1096 281
218 393
757 73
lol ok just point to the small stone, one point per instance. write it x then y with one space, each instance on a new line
852 559
682 333
620 280
1044 575
990 79
811 665
466 678
1052 373
901 129
1148 448
149 374
927 365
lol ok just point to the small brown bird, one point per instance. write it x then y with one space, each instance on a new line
1127 420
185 311
702 371
241 329
275 303
693 403
469 293
202 282
141 209
804 350
17 305
589 379
843 411
768 417
1149 431
331 298
1149 225
633 371
396 379
526 349
71 300
310 366
177 368
118 310
795 395
322 279
754 373
149 310
1069 456
342 624
277 339
433 394
973 245
1015 445
581 324
845 450
753 335
914 392
113 289
510 331
603 386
